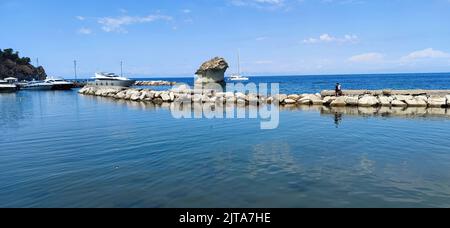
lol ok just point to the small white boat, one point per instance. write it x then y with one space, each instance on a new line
59 84
238 78
6 87
38 85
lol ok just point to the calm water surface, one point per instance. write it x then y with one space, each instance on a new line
59 149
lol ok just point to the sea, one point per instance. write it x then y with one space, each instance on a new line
62 149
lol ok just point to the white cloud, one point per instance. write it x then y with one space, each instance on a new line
80 18
117 24
261 38
186 11
426 54
326 38
259 3
344 2
367 58
84 31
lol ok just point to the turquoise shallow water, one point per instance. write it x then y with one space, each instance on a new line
60 149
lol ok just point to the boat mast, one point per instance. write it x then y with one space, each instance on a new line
75 68
239 62
121 68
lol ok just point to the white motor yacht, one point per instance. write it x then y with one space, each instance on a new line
59 84
111 79
37 85
6 87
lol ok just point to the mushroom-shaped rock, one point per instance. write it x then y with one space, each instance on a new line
212 71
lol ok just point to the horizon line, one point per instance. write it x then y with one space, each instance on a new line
290 75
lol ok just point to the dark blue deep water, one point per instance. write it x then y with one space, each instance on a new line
315 84
61 149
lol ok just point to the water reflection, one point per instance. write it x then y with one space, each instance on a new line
273 158
337 119
11 109
337 113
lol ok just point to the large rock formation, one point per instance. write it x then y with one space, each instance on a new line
212 71
11 65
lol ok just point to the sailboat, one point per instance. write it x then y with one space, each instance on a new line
238 77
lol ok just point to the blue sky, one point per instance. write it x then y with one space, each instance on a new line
275 37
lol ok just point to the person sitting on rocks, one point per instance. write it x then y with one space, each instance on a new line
338 90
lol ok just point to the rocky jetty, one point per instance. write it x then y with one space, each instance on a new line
212 71
11 65
366 99
155 83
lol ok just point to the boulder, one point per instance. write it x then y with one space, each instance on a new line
220 94
197 98
135 96
311 99
339 102
212 99
398 103
402 97
221 100
165 97
351 101
290 101
130 93
328 100
422 97
294 97
368 101
206 98
184 98
121 95
385 101
231 100
280 98
241 96
437 101
241 101
229 94
416 102
212 71
253 99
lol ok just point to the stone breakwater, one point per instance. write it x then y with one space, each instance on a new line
355 98
155 83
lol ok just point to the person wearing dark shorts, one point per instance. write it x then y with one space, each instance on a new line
338 90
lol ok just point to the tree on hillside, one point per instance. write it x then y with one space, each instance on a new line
14 56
